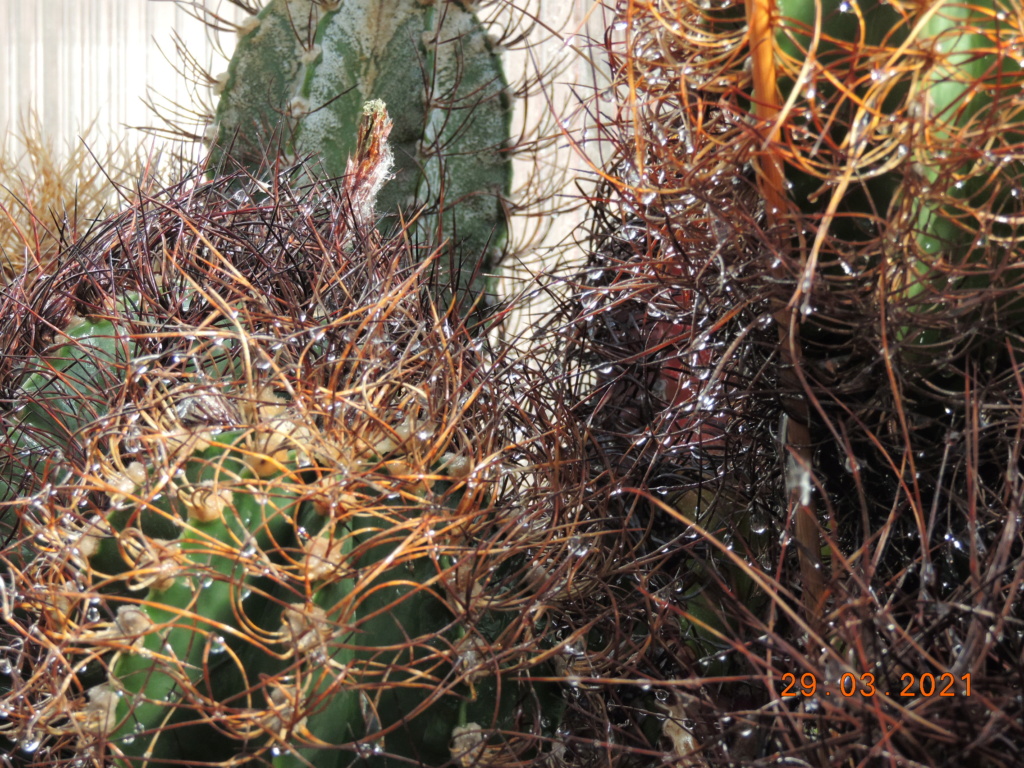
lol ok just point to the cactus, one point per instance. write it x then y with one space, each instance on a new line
805 299
258 528
302 71
916 139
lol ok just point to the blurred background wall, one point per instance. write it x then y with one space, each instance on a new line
79 62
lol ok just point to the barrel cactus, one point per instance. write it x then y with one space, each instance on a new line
301 72
804 316
271 504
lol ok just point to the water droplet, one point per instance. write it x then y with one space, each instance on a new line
575 651
579 547
365 749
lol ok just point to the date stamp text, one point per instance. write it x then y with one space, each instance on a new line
849 684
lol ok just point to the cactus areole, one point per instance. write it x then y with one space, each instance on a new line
303 70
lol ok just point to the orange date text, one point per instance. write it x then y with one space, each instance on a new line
849 684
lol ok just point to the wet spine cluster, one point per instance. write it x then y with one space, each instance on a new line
273 501
804 298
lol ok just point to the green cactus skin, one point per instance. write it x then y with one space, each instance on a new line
181 588
302 72
59 410
211 576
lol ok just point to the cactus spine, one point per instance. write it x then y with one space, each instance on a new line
930 82
302 72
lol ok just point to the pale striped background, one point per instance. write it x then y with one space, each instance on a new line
79 61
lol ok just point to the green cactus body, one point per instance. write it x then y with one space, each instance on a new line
968 201
908 97
201 577
345 632
970 74
232 592
61 382
400 711
302 72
